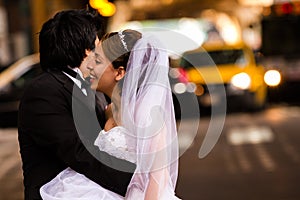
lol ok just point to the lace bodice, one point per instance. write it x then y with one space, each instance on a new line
116 143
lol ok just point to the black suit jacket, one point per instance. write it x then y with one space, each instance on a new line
57 129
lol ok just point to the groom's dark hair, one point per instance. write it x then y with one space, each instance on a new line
64 38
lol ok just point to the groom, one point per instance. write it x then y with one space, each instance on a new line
57 122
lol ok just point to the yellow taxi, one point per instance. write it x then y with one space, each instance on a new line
219 72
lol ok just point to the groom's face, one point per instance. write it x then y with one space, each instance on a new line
85 65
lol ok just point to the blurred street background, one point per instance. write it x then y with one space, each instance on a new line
255 147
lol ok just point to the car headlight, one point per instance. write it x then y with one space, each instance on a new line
272 77
241 81
179 88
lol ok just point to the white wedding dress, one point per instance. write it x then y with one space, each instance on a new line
69 184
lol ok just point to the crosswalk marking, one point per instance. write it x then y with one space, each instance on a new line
249 135
229 162
264 157
243 160
289 149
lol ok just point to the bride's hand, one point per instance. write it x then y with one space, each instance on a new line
109 124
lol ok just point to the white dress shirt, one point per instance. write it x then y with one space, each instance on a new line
76 81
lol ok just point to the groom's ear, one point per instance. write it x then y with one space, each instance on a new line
120 73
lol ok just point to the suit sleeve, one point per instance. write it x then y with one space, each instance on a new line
49 113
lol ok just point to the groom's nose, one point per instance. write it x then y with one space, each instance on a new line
90 67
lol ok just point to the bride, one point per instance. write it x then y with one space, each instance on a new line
131 69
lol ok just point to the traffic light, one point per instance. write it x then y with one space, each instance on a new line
104 7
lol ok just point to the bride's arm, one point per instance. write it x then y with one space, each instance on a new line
152 191
158 178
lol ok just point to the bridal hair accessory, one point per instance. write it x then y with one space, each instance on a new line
122 36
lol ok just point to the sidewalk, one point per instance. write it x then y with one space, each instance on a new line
11 186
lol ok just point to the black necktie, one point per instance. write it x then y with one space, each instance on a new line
85 83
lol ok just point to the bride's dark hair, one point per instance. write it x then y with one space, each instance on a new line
118 45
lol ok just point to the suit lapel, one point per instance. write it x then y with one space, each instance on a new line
74 90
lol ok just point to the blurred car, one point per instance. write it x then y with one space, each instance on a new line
216 71
13 81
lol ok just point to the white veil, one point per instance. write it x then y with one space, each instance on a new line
147 112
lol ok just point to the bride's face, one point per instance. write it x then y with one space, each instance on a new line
103 75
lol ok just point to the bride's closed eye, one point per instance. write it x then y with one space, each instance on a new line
98 61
